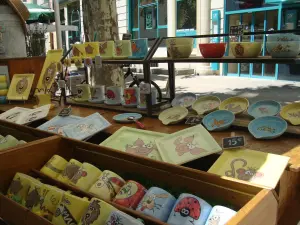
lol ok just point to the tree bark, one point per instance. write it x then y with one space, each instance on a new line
101 24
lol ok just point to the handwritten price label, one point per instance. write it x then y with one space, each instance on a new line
193 120
233 142
236 30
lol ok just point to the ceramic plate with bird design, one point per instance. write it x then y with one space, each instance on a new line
264 108
20 87
291 113
218 120
236 105
173 115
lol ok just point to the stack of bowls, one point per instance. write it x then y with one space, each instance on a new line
283 45
180 47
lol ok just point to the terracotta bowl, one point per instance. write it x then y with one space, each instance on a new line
212 50
246 49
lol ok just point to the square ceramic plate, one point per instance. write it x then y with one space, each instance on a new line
14 114
135 141
86 127
34 115
20 87
187 145
57 124
255 167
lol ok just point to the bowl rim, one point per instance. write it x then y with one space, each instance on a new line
205 118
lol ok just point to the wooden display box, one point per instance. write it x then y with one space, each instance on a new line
255 205
20 132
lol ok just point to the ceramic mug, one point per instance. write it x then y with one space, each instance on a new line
157 203
220 215
55 166
50 198
71 169
189 208
118 217
122 49
83 92
113 95
130 195
8 142
107 185
86 176
70 209
142 99
34 194
98 94
139 48
130 97
106 49
19 187
91 49
97 212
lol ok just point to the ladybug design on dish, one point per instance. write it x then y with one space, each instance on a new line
188 207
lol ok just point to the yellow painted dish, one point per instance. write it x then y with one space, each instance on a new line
246 49
237 105
173 115
206 104
20 87
291 113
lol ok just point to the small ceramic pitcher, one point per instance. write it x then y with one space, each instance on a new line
50 196
83 93
122 49
142 99
98 94
97 213
107 185
55 166
106 49
130 97
118 217
70 209
71 169
113 95
189 208
86 176
139 48
220 215
130 195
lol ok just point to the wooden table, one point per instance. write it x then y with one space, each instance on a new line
288 145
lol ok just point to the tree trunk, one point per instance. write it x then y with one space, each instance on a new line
101 23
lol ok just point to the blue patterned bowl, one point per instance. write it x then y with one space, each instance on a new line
264 108
268 127
218 120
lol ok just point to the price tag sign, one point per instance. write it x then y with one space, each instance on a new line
233 142
65 112
193 120
126 37
236 30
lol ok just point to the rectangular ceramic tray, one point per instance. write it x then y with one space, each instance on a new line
20 87
135 141
255 205
187 145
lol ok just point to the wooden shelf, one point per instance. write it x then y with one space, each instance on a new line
228 59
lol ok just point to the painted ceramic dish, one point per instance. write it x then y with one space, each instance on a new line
184 100
268 127
264 108
135 141
206 104
252 166
187 145
123 118
218 120
246 49
291 113
173 115
236 105
20 87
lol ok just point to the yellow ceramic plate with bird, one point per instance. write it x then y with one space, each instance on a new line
173 115
236 105
291 113
20 87
206 104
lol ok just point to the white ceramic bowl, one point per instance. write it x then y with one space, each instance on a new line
284 49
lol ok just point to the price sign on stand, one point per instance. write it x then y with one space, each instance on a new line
65 112
126 36
233 142
236 30
193 120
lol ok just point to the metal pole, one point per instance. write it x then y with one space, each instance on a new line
57 24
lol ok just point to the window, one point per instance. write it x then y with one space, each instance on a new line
232 5
74 19
186 14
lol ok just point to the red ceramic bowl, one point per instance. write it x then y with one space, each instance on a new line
212 50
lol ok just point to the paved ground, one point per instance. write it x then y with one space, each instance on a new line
224 87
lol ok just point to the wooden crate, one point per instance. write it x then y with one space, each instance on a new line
255 205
